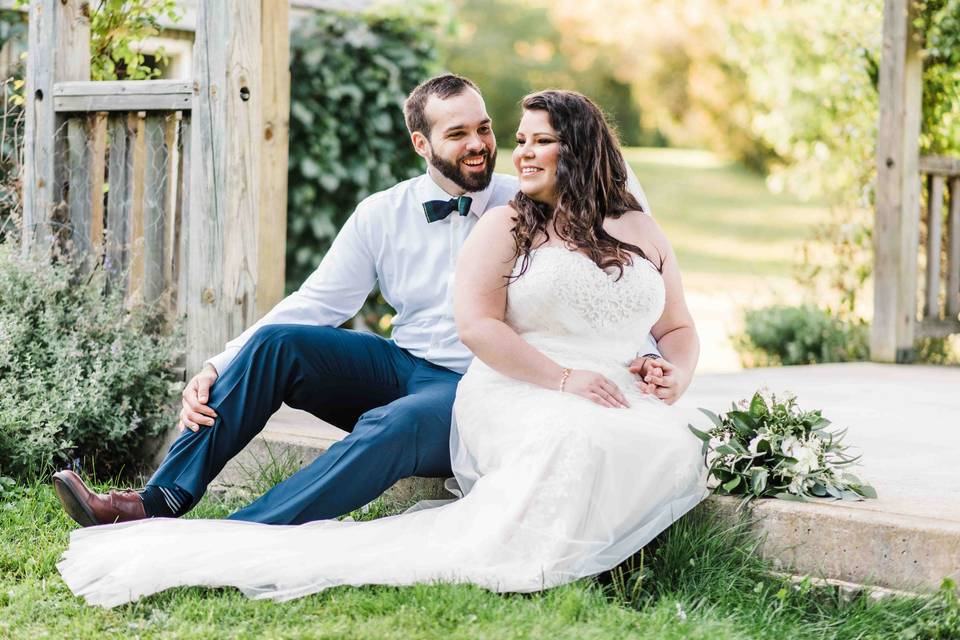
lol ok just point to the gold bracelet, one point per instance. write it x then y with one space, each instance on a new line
563 377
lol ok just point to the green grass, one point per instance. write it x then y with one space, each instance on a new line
701 579
721 218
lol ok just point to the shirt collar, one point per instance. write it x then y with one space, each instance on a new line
430 190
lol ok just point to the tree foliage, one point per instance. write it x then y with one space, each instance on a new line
350 74
116 26
511 49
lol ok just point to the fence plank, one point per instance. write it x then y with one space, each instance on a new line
931 307
155 207
98 159
171 129
953 251
225 176
942 165
39 128
272 241
78 193
135 286
59 41
85 162
119 197
144 102
937 328
897 187
182 217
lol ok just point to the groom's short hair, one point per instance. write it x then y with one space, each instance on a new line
443 86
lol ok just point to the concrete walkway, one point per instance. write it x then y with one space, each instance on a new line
904 420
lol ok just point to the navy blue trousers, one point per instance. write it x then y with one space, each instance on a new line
396 406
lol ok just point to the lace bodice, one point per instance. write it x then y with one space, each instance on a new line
565 294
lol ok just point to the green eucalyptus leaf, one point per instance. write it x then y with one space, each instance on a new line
867 491
784 495
713 417
758 406
732 484
758 480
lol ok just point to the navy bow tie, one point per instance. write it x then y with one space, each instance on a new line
440 209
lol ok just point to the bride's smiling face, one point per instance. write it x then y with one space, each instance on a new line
535 156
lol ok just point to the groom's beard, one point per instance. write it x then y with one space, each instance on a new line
454 172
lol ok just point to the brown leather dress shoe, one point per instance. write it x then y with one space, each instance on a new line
89 508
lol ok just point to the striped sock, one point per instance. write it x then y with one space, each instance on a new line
165 502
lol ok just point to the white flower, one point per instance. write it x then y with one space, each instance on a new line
796 485
807 459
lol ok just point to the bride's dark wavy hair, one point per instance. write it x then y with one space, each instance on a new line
591 185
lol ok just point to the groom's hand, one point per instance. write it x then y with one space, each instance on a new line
668 381
195 411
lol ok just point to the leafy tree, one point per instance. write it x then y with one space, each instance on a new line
350 74
511 49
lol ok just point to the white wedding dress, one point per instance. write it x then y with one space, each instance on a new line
556 487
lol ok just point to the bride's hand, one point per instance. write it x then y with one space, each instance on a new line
595 387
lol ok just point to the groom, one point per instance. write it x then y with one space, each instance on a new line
394 397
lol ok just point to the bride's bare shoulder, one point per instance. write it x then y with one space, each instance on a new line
502 215
639 227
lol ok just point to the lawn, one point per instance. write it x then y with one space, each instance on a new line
722 219
699 580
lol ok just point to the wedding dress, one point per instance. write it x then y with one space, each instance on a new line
556 487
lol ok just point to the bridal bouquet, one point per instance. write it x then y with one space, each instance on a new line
771 448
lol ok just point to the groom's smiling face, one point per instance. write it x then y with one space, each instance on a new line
460 147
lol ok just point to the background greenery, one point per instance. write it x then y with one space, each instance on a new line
350 74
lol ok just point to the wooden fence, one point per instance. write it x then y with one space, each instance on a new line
941 286
133 137
195 206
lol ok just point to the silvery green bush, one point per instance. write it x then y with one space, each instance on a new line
82 378
785 335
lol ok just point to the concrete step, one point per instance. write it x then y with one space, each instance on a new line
903 419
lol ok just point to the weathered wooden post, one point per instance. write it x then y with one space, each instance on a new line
896 230
59 41
236 218
275 152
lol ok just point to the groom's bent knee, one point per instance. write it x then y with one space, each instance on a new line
419 434
296 336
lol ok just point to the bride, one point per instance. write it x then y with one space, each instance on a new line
567 467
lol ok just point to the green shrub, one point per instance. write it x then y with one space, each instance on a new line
350 74
783 335
81 377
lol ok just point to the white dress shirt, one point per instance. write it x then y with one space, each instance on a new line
388 240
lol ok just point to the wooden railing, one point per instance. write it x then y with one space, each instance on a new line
133 137
941 289
195 170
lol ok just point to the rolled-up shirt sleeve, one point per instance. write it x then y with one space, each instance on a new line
332 294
